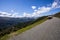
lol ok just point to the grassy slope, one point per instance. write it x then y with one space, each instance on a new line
57 15
22 30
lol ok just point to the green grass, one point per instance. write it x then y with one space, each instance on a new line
29 27
22 30
4 37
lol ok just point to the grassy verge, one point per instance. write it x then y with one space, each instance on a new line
22 30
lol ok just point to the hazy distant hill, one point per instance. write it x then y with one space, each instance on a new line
57 14
8 22
8 25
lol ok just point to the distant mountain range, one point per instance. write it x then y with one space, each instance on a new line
9 22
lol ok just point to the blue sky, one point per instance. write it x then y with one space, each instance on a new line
28 8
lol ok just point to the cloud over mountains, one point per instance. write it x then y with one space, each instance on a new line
37 12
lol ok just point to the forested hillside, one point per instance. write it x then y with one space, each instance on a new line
57 14
18 26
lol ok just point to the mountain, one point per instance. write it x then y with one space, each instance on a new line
9 22
57 14
8 25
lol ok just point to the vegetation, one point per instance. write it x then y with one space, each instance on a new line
57 15
20 27
34 23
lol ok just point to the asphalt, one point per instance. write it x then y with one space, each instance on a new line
48 30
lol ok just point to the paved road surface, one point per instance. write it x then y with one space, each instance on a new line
49 30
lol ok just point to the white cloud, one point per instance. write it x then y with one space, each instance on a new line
43 9
54 4
33 7
6 14
36 13
35 10
26 14
14 14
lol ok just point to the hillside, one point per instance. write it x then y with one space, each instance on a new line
8 25
57 14
9 22
23 26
